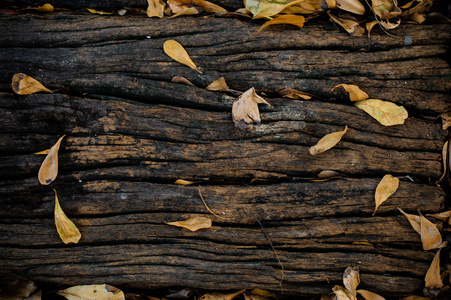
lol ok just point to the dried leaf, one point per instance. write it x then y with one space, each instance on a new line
263 293
184 182
354 6
390 23
268 8
413 220
23 84
386 9
444 216
444 158
352 27
182 294
363 243
245 109
418 18
285 19
446 120
219 296
182 80
99 12
430 235
385 189
178 6
328 174
387 113
433 279
16 288
295 94
351 280
327 142
218 85
341 293
369 26
44 8
49 167
155 8
355 93
188 11
415 298
67 230
421 7
194 223
176 51
92 292
43 152
370 295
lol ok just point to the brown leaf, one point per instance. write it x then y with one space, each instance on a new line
67 230
327 142
341 293
269 8
178 6
92 292
295 94
23 84
387 113
354 6
413 297
413 220
446 120
444 216
418 18
155 8
262 293
433 279
218 85
44 8
352 27
182 80
370 295
245 109
176 51
385 189
17 288
193 224
355 93
285 19
49 167
188 11
351 280
386 9
220 296
444 159
184 182
430 235
99 12
420 7
369 26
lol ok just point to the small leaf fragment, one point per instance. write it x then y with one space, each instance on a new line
92 292
295 94
386 187
184 182
176 51
370 295
155 8
218 85
413 297
363 243
262 293
43 152
99 12
354 6
342 293
444 216
430 235
245 109
178 6
194 223
444 158
352 27
387 113
446 120
369 26
47 7
433 279
285 19
49 167
67 230
327 142
182 80
188 11
355 93
23 84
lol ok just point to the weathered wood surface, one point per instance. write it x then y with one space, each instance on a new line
131 133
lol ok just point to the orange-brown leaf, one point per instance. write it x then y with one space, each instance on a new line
184 182
155 8
92 292
413 220
355 93
433 278
176 51
370 295
193 224
67 230
444 216
23 84
218 85
352 27
386 187
295 94
430 235
285 19
327 142
49 167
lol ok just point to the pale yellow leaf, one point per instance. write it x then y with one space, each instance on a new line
268 8
295 94
49 167
182 80
218 85
194 223
285 19
385 189
369 27
67 230
176 51
99 12
351 280
23 84
354 6
446 120
220 296
387 113
444 216
245 109
327 142
370 295
92 292
341 293
433 278
184 182
444 159
352 27
430 235
355 93
413 220
155 8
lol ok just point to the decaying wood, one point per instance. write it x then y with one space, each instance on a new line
131 133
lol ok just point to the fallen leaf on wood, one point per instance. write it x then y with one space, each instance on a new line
178 6
355 93
23 84
176 51
67 230
268 8
99 12
220 296
386 187
387 113
446 120
351 279
370 295
218 85
444 216
182 294
17 288
262 293
44 8
43 152
386 9
433 279
414 221
295 94
182 80
245 109
92 292
327 142
390 23
328 174
188 11
155 8
369 26
420 7
430 235
193 224
363 243
49 167
418 18
285 19
184 182
353 6
341 293
352 27
413 297
444 159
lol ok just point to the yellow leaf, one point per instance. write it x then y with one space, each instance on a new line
92 292
370 26
47 7
446 120
220 296
294 94
43 152
385 189
182 80
67 230
49 167
155 8
245 109
327 142
433 279
413 220
351 280
176 51
285 19
420 7
218 85
184 182
23 84
178 6
268 8
418 18
430 235
444 216
355 93
354 6
363 243
99 12
352 27
370 295
194 223
387 113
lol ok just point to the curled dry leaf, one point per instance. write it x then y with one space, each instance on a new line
218 85
341 293
418 18
92 292
268 8
220 296
420 7
355 93
385 189
369 26
370 295
176 51
49 167
44 8
67 230
285 19
23 84
295 94
433 279
446 120
194 223
327 142
188 11
387 113
245 109
182 80
353 6
184 182
444 216
178 6
430 235
352 27
155 8
351 279
386 9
